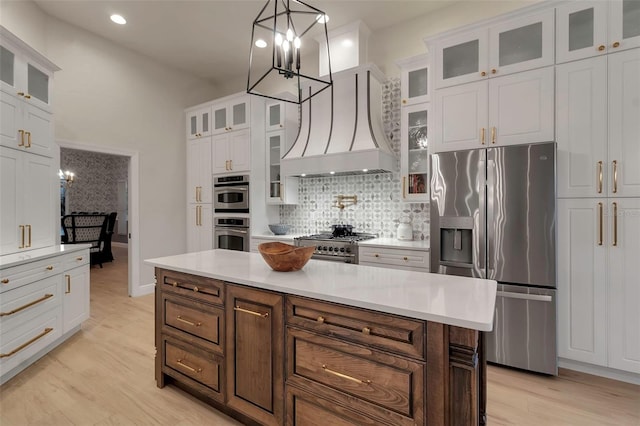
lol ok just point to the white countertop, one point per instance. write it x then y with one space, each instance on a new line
422 245
15 259
459 301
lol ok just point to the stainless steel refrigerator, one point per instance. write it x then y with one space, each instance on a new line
493 215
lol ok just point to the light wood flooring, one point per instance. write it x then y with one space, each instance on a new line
104 375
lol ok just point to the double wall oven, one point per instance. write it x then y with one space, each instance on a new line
231 218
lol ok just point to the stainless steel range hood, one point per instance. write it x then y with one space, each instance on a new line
341 129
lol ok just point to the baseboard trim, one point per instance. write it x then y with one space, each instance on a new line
596 370
143 290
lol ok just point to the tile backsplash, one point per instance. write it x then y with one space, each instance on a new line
379 208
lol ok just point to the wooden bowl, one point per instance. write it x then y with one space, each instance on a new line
285 257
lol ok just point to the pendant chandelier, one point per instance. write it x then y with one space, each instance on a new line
281 33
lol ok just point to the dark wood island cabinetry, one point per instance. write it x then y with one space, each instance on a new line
274 358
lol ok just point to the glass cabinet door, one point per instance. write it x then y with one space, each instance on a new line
624 24
581 30
462 58
415 154
414 80
522 44
199 123
275 116
274 141
220 119
7 68
239 111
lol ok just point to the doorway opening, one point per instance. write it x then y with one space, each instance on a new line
105 181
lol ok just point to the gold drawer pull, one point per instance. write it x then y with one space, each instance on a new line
175 283
615 176
196 289
28 229
599 177
22 236
50 268
344 376
601 48
79 258
68 278
321 319
26 96
24 345
5 281
376 255
247 311
21 137
193 370
600 215
482 136
42 299
405 258
493 135
366 330
615 224
28 137
616 44
195 324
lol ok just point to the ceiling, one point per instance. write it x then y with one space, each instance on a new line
210 38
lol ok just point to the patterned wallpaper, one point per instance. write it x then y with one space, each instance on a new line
95 187
379 208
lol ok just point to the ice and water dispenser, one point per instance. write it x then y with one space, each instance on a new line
456 241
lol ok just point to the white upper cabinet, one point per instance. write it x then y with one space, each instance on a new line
199 123
24 72
199 171
230 115
231 153
508 110
414 80
591 28
516 45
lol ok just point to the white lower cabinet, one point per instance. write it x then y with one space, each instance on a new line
394 258
76 297
598 287
41 302
256 241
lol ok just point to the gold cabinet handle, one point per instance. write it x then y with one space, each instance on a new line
615 176
226 165
27 96
5 281
616 44
79 258
366 330
188 367
68 278
404 187
199 215
28 145
600 218
615 224
23 307
21 236
483 73
195 289
482 136
601 48
230 161
175 283
20 93
49 268
247 311
344 376
493 71
320 319
404 101
599 177
191 323
21 132
197 194
376 255
25 344
29 239
405 258
493 135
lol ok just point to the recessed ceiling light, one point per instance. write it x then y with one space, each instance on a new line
322 18
118 19
303 174
332 173
261 43
365 170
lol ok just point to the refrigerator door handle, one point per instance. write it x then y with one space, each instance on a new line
524 296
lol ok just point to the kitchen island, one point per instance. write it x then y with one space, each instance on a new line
333 343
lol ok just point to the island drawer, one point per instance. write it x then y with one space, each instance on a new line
206 289
306 409
389 332
182 360
380 384
197 319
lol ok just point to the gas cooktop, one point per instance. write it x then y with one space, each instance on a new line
360 236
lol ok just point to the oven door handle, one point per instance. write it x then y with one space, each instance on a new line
341 258
230 188
231 230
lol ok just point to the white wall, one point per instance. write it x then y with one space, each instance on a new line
109 96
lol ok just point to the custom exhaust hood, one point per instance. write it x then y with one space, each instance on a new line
341 129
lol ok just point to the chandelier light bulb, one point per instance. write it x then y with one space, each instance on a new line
278 39
285 46
289 35
297 43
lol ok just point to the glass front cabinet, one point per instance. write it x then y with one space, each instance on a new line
414 80
591 28
281 130
414 166
516 45
231 115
